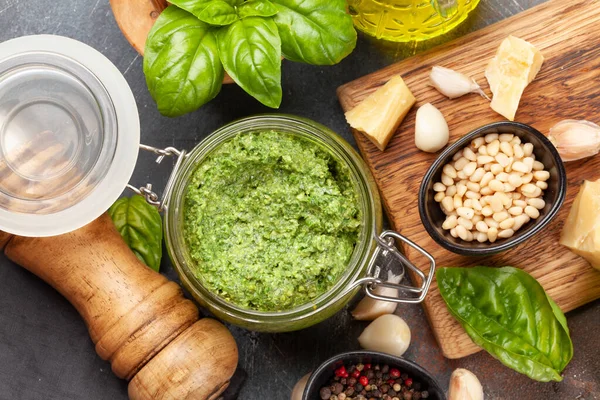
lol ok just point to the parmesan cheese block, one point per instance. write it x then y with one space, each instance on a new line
581 233
515 65
379 115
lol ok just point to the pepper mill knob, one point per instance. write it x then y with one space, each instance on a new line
138 319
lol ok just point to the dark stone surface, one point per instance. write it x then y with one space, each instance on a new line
45 351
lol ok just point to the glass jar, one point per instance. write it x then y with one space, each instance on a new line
360 264
409 20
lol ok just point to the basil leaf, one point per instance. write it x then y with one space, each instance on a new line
256 8
250 50
507 312
181 63
140 225
318 32
214 12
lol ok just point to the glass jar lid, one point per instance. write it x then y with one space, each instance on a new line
69 135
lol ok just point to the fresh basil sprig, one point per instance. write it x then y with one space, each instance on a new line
508 313
140 225
194 41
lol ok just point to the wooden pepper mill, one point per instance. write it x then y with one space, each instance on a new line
138 319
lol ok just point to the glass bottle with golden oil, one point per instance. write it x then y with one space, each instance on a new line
409 20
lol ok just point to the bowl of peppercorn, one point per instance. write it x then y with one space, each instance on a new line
366 375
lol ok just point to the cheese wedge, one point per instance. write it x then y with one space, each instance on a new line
515 65
581 233
379 115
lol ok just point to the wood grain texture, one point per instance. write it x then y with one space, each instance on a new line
567 87
134 315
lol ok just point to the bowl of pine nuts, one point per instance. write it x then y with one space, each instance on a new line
492 189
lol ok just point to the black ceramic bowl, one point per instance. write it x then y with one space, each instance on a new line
433 217
325 372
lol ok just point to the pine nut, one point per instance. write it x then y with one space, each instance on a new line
532 212
478 142
515 180
504 198
451 191
450 223
485 180
449 170
482 227
496 204
457 201
482 151
465 212
477 175
467 223
527 178
490 137
493 148
446 180
520 203
537 203
458 155
500 216
505 137
520 167
477 218
461 231
492 234
496 169
538 166
448 204
439 187
518 151
528 161
470 168
453 233
487 211
520 221
496 185
508 188
482 160
507 223
508 168
536 192
481 237
515 140
439 196
541 175
472 195
476 204
528 190
468 154
502 159
542 185
515 210
474 187
528 149
467 203
470 236
506 148
505 234
461 175
502 177
491 222
460 163
486 191
517 196
461 189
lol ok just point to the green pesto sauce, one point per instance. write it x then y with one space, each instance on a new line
271 221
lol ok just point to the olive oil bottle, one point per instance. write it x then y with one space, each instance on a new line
409 20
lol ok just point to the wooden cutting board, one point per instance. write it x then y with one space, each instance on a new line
567 87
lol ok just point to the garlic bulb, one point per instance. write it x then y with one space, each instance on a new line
368 309
431 129
464 385
388 334
575 139
453 84
299 387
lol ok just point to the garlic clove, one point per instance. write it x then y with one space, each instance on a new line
575 140
431 129
388 334
368 309
464 385
299 387
453 84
